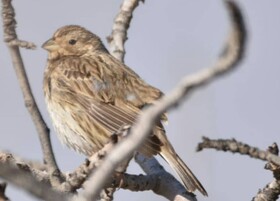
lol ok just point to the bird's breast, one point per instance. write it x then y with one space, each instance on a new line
67 129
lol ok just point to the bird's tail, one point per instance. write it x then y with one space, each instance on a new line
189 180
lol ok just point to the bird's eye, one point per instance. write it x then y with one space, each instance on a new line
72 42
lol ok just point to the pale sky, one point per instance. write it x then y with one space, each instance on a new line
167 40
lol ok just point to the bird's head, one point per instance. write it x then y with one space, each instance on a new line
72 40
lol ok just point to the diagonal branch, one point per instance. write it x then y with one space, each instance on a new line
231 56
10 37
116 43
76 179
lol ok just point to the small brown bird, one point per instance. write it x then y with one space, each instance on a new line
90 95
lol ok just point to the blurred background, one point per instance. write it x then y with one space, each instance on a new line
167 40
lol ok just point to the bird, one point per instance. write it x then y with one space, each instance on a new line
90 95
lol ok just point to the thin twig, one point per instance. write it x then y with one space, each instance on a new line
22 43
232 55
119 32
238 147
271 191
10 37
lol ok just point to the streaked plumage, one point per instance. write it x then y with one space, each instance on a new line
90 95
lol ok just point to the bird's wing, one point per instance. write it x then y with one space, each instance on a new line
97 92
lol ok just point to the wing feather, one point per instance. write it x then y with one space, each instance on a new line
100 97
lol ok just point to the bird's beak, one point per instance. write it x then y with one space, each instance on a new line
50 45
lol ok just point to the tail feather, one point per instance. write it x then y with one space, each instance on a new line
189 180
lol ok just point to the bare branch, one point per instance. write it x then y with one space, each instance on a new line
77 178
116 43
231 56
271 191
136 182
10 37
167 185
238 147
23 176
37 170
119 32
